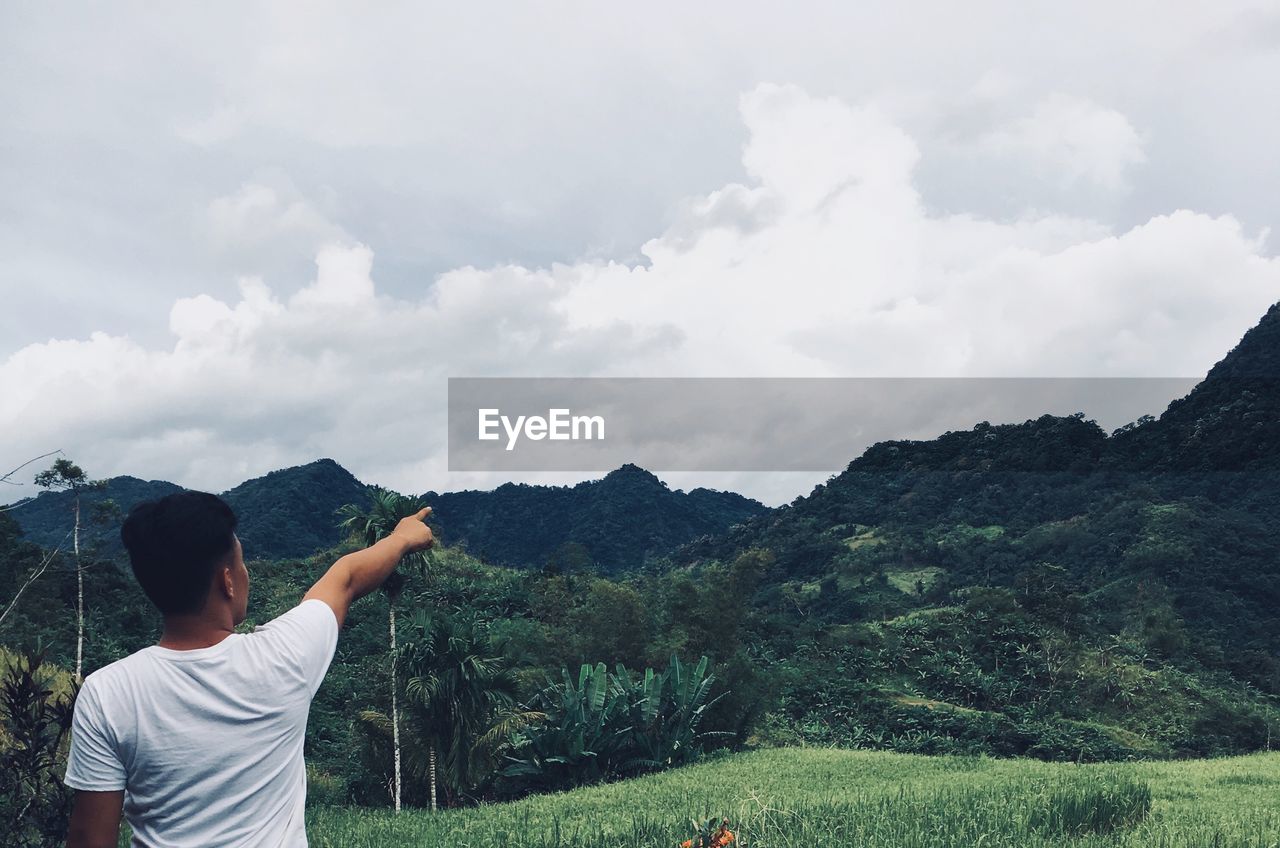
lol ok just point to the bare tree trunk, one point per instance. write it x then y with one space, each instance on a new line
79 598
395 707
431 756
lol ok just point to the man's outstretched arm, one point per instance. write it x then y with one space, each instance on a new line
357 574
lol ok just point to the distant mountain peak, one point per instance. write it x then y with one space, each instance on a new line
324 465
1257 354
631 472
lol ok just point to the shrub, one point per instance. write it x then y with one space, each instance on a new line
34 724
325 789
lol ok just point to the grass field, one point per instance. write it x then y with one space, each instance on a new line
819 797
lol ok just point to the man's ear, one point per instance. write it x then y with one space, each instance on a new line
228 586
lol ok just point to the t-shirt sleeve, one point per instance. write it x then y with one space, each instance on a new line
92 761
304 638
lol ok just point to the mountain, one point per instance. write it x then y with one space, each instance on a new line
47 519
291 512
1170 521
287 513
611 523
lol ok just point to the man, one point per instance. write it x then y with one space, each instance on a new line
198 739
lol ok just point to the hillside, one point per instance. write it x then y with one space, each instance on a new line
610 524
1156 543
1229 422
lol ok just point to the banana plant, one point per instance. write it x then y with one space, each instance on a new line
603 725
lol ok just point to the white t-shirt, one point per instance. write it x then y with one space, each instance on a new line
207 743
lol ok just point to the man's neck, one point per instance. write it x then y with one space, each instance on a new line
189 632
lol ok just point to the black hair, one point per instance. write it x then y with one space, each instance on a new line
175 545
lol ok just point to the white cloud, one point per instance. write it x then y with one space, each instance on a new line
827 262
1071 140
267 212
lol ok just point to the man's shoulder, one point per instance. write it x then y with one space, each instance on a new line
123 668
303 640
311 613
116 681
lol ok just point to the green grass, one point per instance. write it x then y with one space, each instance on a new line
863 539
905 580
822 797
961 534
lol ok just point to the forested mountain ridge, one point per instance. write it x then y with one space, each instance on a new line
286 513
46 519
611 524
1167 526
1229 422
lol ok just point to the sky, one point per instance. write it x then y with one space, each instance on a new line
240 237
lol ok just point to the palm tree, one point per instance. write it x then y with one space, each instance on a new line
461 697
385 510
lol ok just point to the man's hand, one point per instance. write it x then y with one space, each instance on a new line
356 575
413 530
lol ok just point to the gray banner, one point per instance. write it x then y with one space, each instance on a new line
754 424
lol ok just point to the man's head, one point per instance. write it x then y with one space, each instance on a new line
185 554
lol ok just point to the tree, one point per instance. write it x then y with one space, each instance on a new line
612 623
369 525
461 696
66 476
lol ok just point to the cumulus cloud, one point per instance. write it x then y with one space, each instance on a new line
826 261
1071 140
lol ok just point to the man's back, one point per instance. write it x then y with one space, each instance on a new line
207 743
198 740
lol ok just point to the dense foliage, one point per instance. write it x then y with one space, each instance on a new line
35 718
605 725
